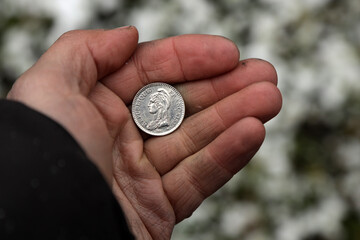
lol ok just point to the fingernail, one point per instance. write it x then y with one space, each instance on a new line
124 27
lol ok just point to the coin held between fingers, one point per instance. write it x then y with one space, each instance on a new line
158 109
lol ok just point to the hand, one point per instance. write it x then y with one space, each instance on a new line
86 82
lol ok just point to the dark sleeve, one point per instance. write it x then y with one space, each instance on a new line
48 187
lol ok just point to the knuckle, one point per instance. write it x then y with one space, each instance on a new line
69 34
73 36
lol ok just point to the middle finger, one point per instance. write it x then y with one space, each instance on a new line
202 94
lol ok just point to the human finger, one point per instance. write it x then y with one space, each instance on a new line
261 100
173 60
202 94
201 174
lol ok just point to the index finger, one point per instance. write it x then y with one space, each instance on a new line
173 60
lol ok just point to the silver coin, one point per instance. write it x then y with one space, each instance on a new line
158 109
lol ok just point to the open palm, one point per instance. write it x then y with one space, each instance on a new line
158 181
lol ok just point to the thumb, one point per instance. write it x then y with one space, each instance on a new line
79 58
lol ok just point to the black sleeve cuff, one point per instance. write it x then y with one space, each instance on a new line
48 187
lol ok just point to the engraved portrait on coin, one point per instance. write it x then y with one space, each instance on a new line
158 105
158 109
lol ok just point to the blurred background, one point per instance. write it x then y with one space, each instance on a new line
304 184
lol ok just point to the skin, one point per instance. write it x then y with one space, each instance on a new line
86 82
